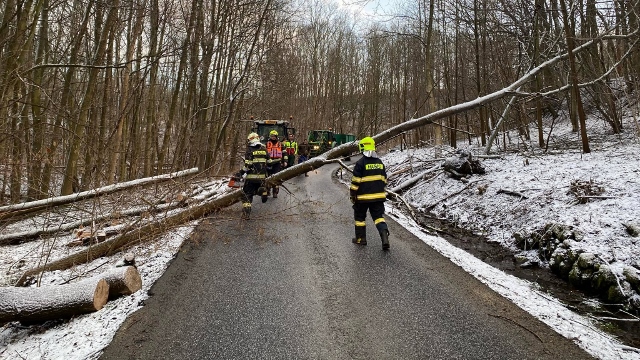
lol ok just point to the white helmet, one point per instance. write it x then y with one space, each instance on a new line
253 139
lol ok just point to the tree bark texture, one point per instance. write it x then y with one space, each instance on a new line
52 302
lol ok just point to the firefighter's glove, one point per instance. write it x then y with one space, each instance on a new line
238 175
353 199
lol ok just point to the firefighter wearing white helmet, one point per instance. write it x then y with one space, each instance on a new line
255 168
367 192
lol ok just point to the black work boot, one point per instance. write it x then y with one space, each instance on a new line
384 236
246 212
359 241
264 196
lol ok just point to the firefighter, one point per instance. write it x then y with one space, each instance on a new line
255 166
367 193
291 147
277 158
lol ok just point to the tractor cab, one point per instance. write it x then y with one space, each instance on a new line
264 127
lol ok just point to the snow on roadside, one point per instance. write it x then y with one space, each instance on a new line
522 293
84 337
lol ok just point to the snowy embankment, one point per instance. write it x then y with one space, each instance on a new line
534 203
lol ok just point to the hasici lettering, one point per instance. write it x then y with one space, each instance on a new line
374 166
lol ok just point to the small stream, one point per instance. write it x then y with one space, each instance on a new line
627 332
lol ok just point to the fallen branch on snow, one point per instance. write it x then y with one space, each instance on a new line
430 207
415 179
8 210
513 193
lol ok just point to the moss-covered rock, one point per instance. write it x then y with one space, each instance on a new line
577 235
614 294
634 301
557 244
586 261
603 279
632 229
632 276
573 254
580 278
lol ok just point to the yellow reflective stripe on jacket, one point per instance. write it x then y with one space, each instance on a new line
256 176
373 178
354 187
372 196
356 179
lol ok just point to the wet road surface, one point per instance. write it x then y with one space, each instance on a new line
289 284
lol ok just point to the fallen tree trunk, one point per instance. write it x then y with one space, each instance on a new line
8 210
414 179
52 302
132 234
34 234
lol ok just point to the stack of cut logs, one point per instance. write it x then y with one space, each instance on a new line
38 304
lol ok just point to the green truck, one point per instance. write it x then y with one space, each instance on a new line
321 141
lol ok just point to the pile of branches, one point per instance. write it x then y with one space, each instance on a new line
584 191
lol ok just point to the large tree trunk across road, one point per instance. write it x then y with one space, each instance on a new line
289 284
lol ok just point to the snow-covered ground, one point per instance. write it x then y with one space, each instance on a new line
544 178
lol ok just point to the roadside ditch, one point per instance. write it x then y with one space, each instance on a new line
611 318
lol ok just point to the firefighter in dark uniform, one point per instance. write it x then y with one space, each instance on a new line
367 193
255 166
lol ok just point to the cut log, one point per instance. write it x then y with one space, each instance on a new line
52 302
122 281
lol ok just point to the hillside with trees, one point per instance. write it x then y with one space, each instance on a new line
103 92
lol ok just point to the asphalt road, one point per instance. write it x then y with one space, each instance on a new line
289 284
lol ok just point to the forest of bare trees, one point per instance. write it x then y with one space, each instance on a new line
98 92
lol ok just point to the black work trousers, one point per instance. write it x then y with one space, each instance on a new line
250 189
376 209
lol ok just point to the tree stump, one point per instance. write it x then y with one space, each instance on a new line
52 302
